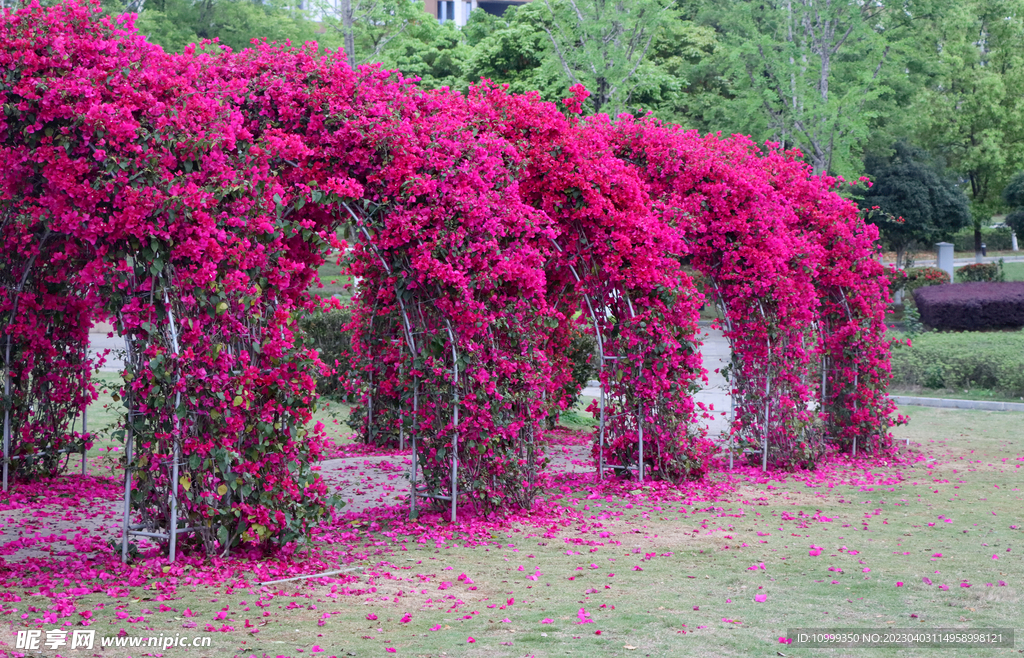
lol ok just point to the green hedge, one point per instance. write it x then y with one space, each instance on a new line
995 239
964 360
324 332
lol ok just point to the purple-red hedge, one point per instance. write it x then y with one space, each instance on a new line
972 306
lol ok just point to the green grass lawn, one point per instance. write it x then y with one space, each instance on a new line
333 282
695 594
980 394
1014 271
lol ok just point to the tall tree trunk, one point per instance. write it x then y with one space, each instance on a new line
349 32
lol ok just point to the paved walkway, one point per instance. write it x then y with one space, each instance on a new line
959 262
716 354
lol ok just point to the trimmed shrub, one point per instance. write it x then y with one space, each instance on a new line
998 238
972 306
326 332
919 277
964 360
583 356
980 272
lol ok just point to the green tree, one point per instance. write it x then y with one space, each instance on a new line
680 53
434 53
517 49
1013 195
366 27
514 49
804 73
970 110
910 200
173 24
605 46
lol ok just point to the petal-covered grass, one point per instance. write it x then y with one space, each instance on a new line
719 569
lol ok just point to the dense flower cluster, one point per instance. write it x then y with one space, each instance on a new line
793 270
135 189
191 197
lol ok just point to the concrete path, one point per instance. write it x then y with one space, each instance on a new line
960 262
715 353
115 347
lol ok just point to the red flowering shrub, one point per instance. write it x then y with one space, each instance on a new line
792 267
918 277
191 197
135 185
975 272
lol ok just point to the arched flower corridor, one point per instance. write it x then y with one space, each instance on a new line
189 199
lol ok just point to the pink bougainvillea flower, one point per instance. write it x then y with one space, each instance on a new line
371 616
760 598
547 620
484 221
470 640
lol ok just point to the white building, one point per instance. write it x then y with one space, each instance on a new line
459 10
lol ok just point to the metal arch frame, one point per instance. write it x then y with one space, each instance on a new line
7 459
767 392
603 359
720 300
129 529
407 330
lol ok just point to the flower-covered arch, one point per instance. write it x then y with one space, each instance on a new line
189 199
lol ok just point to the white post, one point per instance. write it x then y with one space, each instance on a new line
1013 241
640 438
85 430
413 513
945 258
7 411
